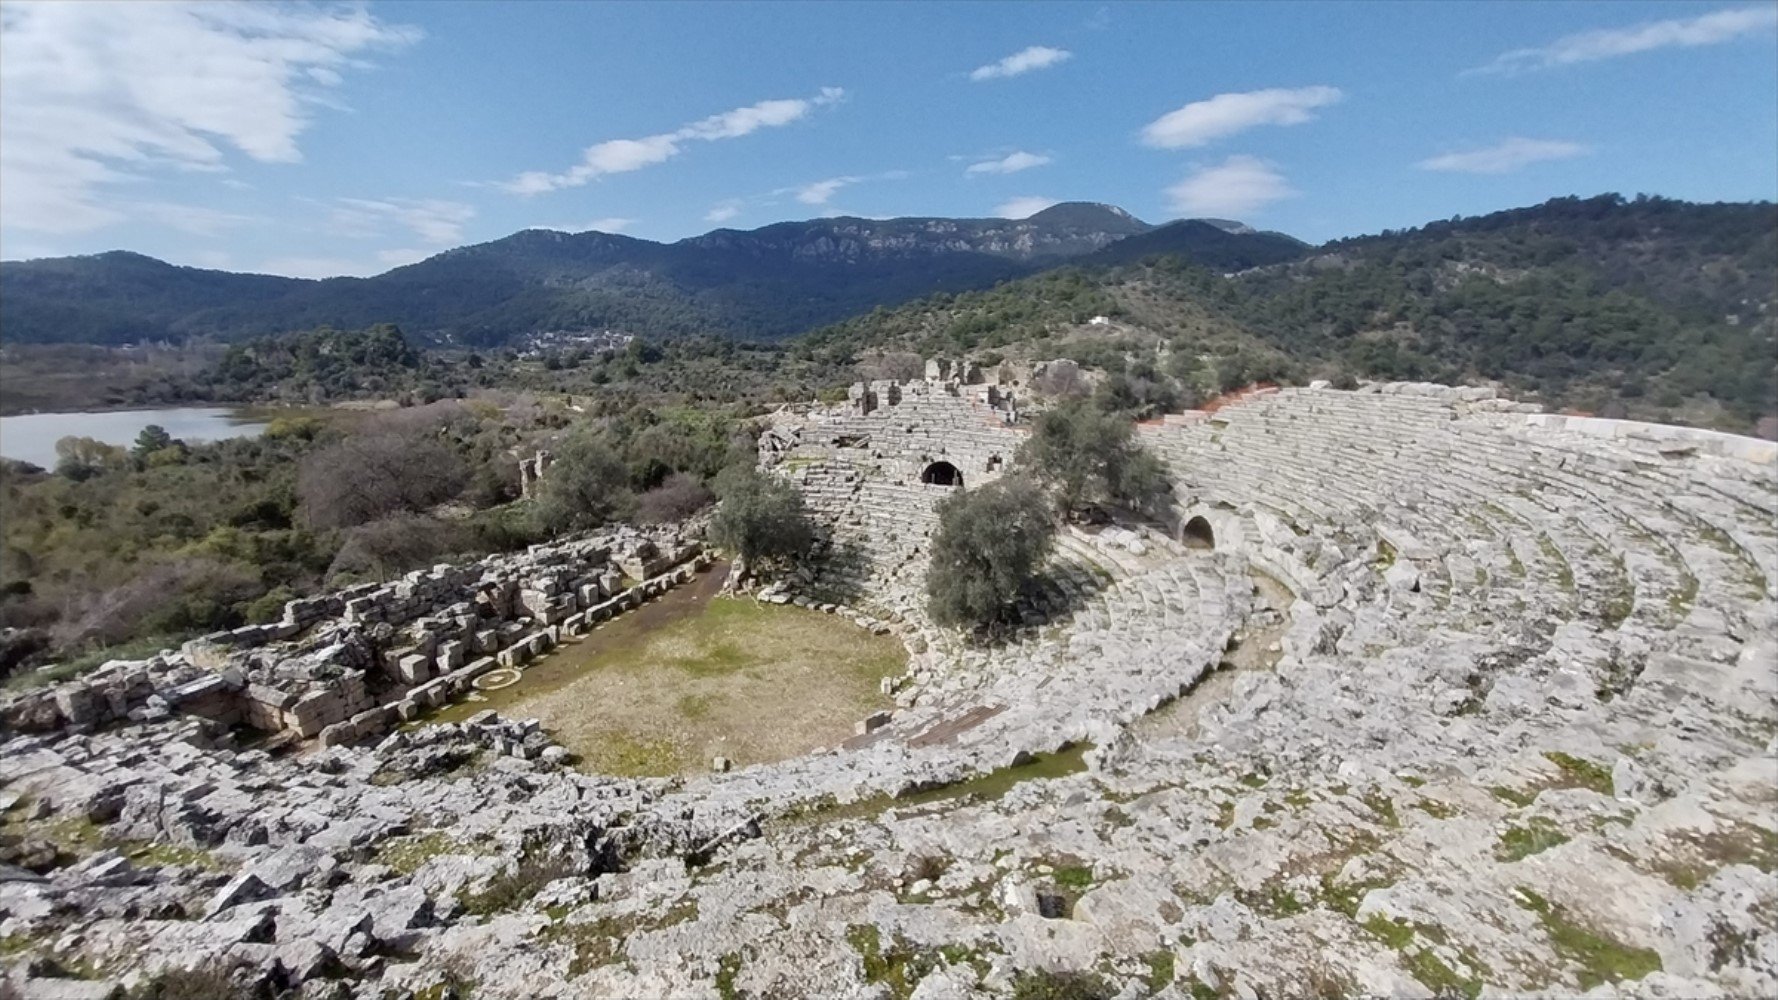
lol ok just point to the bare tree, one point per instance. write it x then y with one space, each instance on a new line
368 476
1061 379
897 366
678 497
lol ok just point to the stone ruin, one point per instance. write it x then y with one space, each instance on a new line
348 665
1418 692
531 471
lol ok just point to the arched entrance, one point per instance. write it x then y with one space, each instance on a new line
942 474
1197 534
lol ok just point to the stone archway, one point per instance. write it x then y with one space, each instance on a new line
1197 534
942 473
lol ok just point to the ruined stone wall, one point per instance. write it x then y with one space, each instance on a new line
348 664
873 470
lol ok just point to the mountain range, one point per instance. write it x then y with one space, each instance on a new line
767 283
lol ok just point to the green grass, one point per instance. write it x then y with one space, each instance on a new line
728 967
897 967
1601 959
408 854
1160 969
1435 975
1076 877
92 659
1513 796
1384 807
1348 897
1397 934
988 787
1564 572
1536 836
1578 772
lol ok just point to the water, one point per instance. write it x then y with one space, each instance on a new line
32 437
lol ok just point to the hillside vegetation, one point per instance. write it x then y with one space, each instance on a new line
1645 307
765 283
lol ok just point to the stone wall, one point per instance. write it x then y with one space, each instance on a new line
348 664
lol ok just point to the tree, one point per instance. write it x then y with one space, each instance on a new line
153 438
991 542
82 458
896 366
586 486
370 476
1089 458
678 497
761 520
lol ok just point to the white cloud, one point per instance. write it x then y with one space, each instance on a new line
723 211
1234 187
1226 114
1011 163
317 267
1024 61
96 94
606 225
193 219
821 192
1505 156
618 156
434 221
1023 208
1608 43
402 256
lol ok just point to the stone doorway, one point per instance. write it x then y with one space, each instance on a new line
1197 534
942 474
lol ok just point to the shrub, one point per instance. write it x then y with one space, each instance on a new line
1090 458
81 458
761 521
678 497
1061 380
368 476
991 542
395 544
585 487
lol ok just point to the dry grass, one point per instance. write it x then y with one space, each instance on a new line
663 694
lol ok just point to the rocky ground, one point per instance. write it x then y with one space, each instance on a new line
1510 729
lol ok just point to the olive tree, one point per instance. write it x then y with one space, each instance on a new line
991 542
1091 459
761 520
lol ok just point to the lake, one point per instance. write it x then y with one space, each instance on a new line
32 437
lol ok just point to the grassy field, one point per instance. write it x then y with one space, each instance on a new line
690 677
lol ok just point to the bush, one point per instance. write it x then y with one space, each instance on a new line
678 497
761 521
897 366
586 486
1061 380
369 476
82 458
395 544
990 543
1090 458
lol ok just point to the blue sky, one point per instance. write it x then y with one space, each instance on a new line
321 139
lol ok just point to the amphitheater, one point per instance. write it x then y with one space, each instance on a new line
1420 692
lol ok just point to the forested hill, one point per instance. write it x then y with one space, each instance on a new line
764 283
1648 307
